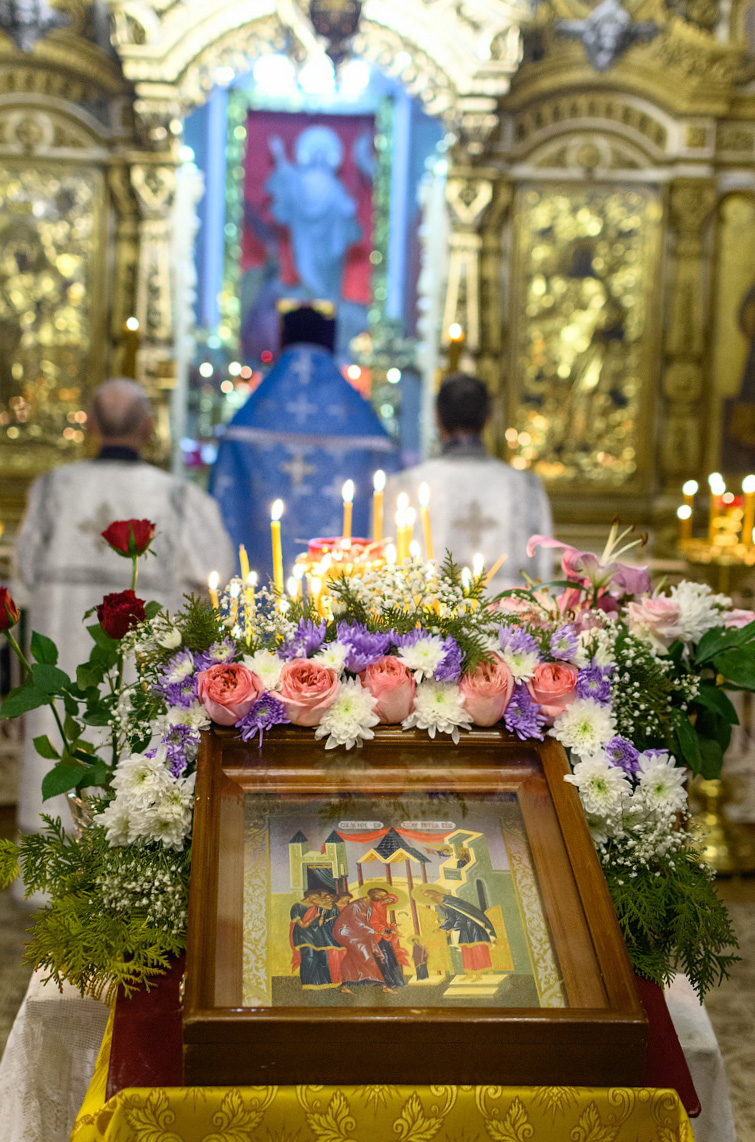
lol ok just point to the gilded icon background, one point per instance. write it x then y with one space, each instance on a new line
586 261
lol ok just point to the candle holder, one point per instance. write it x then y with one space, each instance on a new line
329 558
728 542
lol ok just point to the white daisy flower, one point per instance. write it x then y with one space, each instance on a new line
603 789
350 719
423 656
116 820
333 654
195 716
266 666
521 663
661 784
141 779
584 726
438 707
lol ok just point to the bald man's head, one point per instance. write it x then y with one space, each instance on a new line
120 412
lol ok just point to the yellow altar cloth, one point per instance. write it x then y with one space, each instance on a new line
377 1113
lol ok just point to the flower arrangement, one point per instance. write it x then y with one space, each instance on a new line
631 681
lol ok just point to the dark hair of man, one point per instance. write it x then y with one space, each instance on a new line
463 404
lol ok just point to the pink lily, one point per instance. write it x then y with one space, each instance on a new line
600 572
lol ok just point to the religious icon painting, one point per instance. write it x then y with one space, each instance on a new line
423 901
422 913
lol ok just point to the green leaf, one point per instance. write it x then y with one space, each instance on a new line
49 679
97 715
22 699
151 609
737 666
89 676
688 742
712 642
712 758
60 779
101 638
43 649
97 774
715 699
72 728
45 748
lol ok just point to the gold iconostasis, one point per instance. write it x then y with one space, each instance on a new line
598 251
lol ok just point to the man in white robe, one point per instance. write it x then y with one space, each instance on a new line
65 567
477 503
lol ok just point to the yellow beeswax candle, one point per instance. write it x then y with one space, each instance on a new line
423 494
348 504
213 582
378 487
275 531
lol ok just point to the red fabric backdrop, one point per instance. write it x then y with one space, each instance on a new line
261 126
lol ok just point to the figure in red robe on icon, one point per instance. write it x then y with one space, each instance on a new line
373 954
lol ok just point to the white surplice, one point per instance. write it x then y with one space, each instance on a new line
66 567
479 504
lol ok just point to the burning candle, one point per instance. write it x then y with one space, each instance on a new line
402 539
249 584
409 518
315 587
748 521
213 582
478 564
275 531
717 488
415 551
348 504
234 591
455 345
378 486
243 562
292 586
684 515
298 576
423 494
130 347
390 554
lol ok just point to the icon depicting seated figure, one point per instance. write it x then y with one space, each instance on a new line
373 953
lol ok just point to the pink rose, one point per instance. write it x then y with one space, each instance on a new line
307 690
393 685
659 618
228 691
554 687
738 618
487 692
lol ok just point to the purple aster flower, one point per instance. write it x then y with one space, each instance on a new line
595 682
179 740
449 670
151 752
305 641
178 667
564 642
365 647
409 639
222 651
266 712
522 716
518 639
178 693
623 754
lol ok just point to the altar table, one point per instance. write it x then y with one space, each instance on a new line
377 1113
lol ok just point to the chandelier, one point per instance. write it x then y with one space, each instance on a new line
337 22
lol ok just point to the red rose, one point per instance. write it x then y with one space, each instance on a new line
554 687
129 537
228 690
120 612
8 610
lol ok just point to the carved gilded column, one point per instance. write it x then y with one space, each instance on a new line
469 195
691 202
153 179
124 263
491 357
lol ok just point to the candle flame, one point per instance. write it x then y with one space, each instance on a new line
455 331
466 578
478 564
252 579
390 554
213 580
684 512
402 502
423 494
327 559
748 485
414 549
348 492
378 480
276 511
292 586
410 517
315 585
298 571
132 324
690 488
235 589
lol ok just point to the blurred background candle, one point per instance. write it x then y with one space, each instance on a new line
299 575
748 520
234 591
684 515
275 532
423 494
243 562
348 506
689 491
455 346
478 564
415 551
717 488
130 345
390 554
213 582
292 586
378 487
409 519
402 539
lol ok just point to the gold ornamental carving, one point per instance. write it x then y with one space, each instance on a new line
468 197
154 185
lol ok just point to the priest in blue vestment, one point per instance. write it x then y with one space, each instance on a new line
299 437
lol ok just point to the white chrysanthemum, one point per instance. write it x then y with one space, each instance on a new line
438 707
195 716
661 784
170 638
141 779
699 608
350 719
584 726
266 666
222 651
169 821
116 820
603 789
424 656
521 663
182 669
334 655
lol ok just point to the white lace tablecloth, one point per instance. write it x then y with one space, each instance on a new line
50 1056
